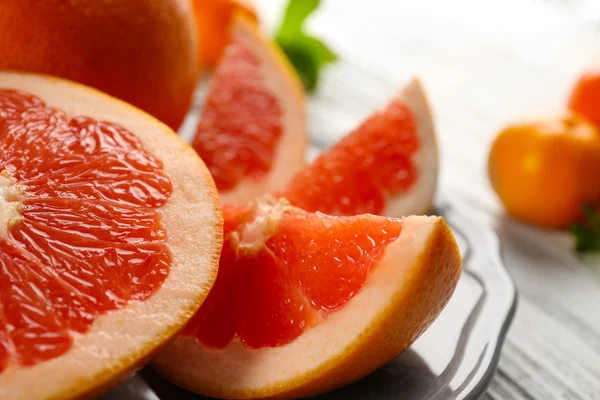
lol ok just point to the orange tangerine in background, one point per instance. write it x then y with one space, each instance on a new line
585 97
143 52
213 18
545 171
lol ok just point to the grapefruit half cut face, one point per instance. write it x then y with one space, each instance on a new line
306 302
387 166
110 232
252 133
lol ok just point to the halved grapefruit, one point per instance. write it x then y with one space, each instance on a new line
386 166
306 302
110 232
252 133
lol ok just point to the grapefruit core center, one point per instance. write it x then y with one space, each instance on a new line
80 225
273 283
11 206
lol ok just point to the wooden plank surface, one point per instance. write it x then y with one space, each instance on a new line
484 63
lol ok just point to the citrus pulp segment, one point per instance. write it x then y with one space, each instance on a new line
386 166
305 302
281 280
251 132
111 232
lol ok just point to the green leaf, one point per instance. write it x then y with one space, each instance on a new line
307 54
587 232
295 14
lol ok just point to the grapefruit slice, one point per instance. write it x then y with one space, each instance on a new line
305 302
386 166
110 232
252 133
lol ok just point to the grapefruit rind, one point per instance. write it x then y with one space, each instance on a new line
401 298
119 341
281 80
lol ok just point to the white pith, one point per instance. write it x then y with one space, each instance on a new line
267 213
10 202
237 369
117 340
418 199
291 149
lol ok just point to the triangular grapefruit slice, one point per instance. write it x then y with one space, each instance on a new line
252 133
110 232
387 166
306 302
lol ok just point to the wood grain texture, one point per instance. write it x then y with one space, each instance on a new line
484 63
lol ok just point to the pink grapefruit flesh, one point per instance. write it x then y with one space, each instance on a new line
306 302
84 236
286 286
97 201
251 132
386 166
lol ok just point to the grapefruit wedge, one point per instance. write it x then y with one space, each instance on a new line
386 166
305 302
110 233
252 133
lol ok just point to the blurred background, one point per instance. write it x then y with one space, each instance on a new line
484 63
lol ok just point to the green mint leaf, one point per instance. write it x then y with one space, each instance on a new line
587 232
295 14
307 54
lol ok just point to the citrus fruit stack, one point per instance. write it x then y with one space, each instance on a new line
110 237
305 302
252 136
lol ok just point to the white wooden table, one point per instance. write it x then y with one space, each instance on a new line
484 64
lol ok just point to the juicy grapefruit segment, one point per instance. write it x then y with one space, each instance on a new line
386 166
53 169
251 132
283 281
93 232
340 296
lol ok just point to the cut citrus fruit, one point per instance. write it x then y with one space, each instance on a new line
306 302
144 52
110 232
386 166
213 18
251 133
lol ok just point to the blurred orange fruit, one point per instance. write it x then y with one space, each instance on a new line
545 171
585 97
213 18
144 52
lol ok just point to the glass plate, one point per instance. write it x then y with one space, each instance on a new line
454 359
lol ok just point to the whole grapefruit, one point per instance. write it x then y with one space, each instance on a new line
143 52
